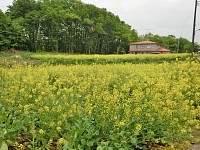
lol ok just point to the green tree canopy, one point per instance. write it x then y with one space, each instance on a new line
69 26
180 45
5 31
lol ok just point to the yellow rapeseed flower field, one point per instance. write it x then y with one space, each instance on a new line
99 106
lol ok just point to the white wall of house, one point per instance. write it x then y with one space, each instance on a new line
144 47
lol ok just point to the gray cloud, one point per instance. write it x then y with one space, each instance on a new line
4 4
163 17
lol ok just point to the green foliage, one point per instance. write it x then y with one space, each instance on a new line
19 8
60 26
179 45
108 59
4 32
112 106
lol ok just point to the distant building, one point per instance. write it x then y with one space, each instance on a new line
147 47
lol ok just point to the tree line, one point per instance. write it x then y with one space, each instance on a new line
178 45
70 26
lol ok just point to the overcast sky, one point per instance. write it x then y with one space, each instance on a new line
163 17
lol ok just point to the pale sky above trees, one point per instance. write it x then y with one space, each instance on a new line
163 17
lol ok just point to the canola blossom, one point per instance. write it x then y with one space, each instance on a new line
98 106
106 59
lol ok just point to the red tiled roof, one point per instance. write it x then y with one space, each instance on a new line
143 42
143 51
163 50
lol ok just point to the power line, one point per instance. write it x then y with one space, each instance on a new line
183 29
187 18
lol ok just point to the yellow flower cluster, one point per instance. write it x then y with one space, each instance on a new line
161 98
107 57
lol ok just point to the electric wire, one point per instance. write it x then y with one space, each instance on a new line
186 21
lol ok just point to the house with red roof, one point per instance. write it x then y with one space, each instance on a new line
147 47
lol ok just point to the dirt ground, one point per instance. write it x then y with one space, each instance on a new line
194 147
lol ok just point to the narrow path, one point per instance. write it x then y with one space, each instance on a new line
194 147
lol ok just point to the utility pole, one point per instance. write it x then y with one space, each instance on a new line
194 26
148 33
178 46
